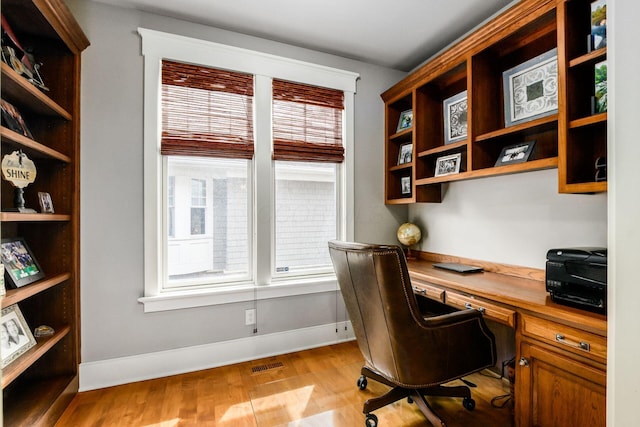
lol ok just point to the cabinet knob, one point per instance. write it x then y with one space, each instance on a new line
523 362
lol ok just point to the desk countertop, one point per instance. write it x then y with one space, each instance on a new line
522 289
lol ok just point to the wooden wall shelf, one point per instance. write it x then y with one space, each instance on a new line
39 384
570 140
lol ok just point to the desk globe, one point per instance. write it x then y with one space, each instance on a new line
409 234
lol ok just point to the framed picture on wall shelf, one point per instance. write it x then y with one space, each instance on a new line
405 153
455 118
598 37
448 165
16 335
516 153
405 121
599 104
405 185
531 89
46 205
20 265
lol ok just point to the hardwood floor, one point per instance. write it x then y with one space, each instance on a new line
308 388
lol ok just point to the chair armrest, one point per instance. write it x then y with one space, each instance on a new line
451 318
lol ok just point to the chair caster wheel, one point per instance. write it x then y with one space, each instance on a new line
468 403
371 421
362 382
409 400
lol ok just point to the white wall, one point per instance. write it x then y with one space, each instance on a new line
511 219
113 322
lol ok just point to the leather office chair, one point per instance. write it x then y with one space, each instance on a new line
403 349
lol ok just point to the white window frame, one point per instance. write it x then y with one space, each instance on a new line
157 46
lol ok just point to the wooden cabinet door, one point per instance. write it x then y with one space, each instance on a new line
555 390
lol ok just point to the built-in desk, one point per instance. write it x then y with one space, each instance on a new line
561 352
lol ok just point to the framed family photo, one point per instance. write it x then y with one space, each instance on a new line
448 165
455 118
16 335
405 154
20 265
531 89
405 121
405 185
516 153
46 205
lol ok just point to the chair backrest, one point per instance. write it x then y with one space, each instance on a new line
392 334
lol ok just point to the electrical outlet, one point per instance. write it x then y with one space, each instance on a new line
250 316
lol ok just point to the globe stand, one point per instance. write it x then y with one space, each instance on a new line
409 256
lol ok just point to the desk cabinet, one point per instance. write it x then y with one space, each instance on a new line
559 384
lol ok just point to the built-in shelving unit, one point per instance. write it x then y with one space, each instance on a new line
570 139
39 384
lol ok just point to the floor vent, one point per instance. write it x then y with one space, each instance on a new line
263 368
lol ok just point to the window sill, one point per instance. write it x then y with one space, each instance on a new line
176 300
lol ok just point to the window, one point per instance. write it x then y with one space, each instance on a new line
198 206
236 193
308 151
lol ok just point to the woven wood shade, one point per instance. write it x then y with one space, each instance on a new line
206 112
307 123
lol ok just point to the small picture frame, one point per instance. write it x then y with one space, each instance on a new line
455 118
448 165
598 35
20 265
46 205
531 89
405 121
405 154
405 185
516 153
16 335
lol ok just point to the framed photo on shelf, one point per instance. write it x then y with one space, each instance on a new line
16 335
600 88
448 165
516 153
20 265
598 37
405 153
531 89
46 205
455 118
405 121
405 185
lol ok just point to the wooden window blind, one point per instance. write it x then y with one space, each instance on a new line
206 111
307 123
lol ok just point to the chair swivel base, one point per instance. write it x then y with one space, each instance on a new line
416 395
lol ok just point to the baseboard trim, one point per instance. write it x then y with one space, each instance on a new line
123 370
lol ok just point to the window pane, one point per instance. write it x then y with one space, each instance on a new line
171 222
210 209
306 215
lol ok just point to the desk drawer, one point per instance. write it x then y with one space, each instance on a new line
490 310
429 291
565 337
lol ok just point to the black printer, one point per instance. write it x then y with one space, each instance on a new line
577 277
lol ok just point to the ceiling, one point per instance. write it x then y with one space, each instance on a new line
394 34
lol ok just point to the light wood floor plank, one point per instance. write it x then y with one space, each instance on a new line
308 388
